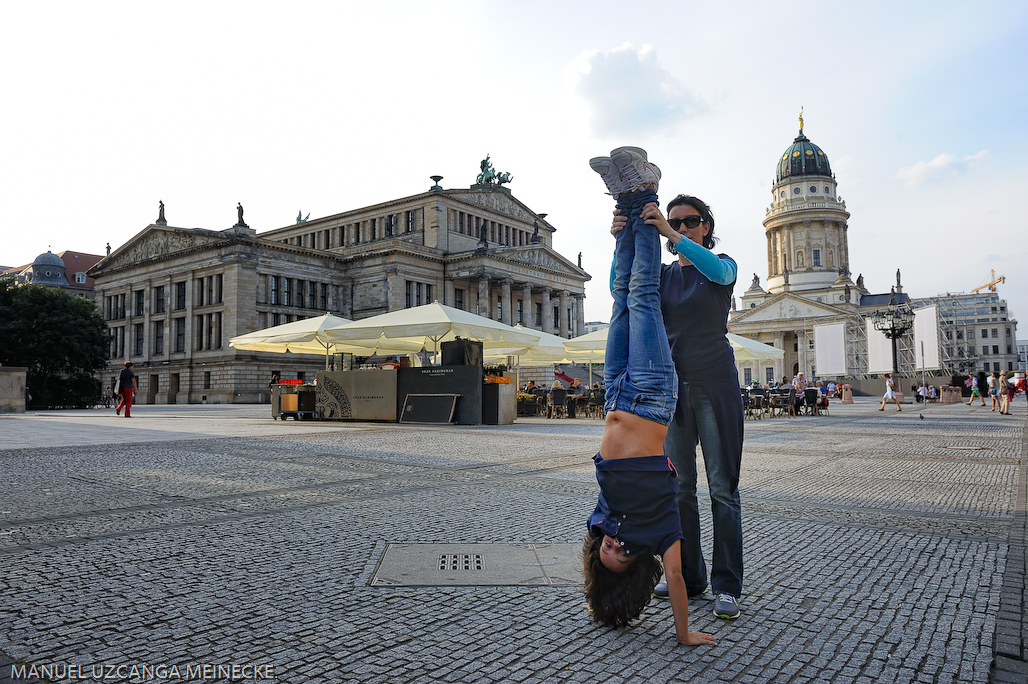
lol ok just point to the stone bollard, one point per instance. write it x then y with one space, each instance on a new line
847 394
949 394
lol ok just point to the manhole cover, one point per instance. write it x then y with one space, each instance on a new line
966 448
432 565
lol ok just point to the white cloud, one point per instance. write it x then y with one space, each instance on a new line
629 92
942 167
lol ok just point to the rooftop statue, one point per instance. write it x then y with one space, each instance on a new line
756 281
488 176
300 218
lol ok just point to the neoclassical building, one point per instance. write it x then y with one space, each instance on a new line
808 281
173 297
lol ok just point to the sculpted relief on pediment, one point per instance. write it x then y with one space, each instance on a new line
499 203
157 244
538 257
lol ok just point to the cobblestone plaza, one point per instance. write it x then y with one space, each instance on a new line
880 547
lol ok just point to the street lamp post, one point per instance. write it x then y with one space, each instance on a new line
894 321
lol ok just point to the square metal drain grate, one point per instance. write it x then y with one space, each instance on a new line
441 565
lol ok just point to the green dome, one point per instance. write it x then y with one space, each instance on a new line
802 158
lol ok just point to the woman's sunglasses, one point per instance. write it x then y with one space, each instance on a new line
690 222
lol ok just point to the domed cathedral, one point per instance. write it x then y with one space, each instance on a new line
806 224
808 276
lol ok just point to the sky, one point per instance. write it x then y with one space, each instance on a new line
323 107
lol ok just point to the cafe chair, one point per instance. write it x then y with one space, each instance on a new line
558 403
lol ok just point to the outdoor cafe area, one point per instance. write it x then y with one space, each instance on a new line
787 402
445 365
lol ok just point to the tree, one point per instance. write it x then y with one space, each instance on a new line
59 337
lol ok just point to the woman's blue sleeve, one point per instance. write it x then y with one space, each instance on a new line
722 271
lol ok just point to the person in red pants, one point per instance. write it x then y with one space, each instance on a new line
129 386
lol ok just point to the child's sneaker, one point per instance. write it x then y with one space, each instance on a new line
638 150
636 172
610 174
726 606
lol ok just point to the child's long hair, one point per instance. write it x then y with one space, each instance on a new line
617 598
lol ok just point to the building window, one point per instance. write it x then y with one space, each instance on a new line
747 376
324 297
374 228
995 349
409 286
769 376
199 332
460 223
300 287
206 379
139 304
417 290
409 221
995 332
180 334
219 284
521 311
180 296
274 289
458 299
538 314
158 299
138 350
815 256
985 349
985 333
285 291
275 319
199 287
312 295
158 338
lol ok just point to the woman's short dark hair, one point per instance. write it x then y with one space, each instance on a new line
617 598
699 205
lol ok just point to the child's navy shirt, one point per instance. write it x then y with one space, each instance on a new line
637 503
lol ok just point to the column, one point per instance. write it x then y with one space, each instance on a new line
801 351
505 316
547 311
562 313
580 319
483 298
779 363
526 304
448 299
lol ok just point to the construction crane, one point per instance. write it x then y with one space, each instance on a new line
994 281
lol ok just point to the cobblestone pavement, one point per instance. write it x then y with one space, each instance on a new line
880 547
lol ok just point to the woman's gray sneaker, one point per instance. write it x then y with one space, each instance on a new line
726 606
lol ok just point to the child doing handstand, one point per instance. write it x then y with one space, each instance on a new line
636 516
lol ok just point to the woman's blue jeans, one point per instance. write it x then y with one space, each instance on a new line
638 369
700 422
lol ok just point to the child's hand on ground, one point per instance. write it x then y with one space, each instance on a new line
697 639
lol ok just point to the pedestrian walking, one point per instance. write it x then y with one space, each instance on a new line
128 386
890 393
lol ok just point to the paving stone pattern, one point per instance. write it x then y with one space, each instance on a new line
872 554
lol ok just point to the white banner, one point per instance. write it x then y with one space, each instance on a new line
926 338
830 349
879 350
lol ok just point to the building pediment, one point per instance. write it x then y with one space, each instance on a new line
155 242
498 201
786 307
539 256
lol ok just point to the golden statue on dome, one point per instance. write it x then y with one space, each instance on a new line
801 120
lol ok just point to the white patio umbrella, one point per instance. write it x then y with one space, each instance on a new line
308 337
431 324
745 349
